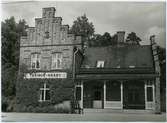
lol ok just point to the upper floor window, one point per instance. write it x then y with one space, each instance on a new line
100 64
57 61
35 61
46 35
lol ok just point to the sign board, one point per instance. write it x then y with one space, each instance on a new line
46 75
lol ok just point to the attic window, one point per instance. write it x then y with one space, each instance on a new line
100 64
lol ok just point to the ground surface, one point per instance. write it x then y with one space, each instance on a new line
33 117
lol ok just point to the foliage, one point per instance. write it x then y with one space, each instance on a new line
132 38
10 35
83 27
28 95
8 80
103 40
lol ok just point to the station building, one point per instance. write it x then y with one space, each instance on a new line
58 66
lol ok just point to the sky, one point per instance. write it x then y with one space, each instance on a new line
143 18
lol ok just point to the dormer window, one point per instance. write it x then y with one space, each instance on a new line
131 66
100 64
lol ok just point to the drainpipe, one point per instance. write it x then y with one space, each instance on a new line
74 64
73 71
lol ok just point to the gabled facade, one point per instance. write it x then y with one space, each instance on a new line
47 55
54 68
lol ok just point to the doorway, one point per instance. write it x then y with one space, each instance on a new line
93 95
133 95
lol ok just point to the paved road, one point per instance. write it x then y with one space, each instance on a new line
33 117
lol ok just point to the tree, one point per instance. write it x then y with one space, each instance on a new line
132 38
95 40
83 27
11 32
103 40
114 39
106 39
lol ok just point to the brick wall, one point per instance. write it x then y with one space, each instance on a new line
47 37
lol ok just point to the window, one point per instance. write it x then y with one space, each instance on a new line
97 95
78 93
35 61
113 91
46 35
149 94
100 64
26 61
44 93
57 61
50 14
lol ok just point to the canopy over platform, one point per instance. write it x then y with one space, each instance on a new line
114 76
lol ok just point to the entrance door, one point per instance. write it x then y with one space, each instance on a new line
88 97
97 97
134 95
93 95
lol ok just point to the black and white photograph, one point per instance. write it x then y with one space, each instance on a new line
80 61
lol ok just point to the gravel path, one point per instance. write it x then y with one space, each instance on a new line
33 117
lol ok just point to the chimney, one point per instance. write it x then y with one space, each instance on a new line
120 36
48 12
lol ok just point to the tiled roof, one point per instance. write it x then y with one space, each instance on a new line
119 56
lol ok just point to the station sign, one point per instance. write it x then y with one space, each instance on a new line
45 75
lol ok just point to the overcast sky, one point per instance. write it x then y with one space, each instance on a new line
144 18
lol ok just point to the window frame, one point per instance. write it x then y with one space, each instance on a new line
42 93
99 63
55 59
150 84
78 95
149 94
34 60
